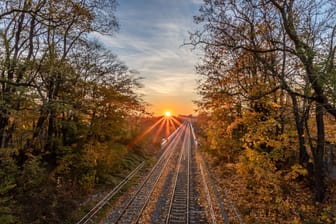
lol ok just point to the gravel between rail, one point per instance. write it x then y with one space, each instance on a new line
178 189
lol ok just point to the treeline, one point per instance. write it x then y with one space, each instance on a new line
64 105
268 88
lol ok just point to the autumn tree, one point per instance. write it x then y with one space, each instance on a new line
64 103
288 47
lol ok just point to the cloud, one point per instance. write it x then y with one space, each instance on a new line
197 1
150 40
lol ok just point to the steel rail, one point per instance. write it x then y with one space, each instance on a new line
87 217
157 180
172 142
176 182
188 174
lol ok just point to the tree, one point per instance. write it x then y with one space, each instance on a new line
293 44
64 101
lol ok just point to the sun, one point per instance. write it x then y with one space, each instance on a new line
167 114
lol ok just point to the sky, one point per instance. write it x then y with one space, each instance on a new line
150 41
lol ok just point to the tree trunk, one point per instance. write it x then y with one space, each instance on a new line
318 153
300 122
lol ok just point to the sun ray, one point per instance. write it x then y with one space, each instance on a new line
159 131
172 124
167 128
142 135
177 122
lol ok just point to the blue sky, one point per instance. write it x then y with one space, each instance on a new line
150 41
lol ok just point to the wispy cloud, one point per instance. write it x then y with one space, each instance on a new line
150 40
198 2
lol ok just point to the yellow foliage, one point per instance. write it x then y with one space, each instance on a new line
258 168
296 171
328 215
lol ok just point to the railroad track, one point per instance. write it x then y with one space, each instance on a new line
174 191
131 210
184 206
178 211
87 218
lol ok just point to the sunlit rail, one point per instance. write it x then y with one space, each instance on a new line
131 211
175 190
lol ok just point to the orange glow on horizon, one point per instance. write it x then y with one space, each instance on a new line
174 105
165 124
